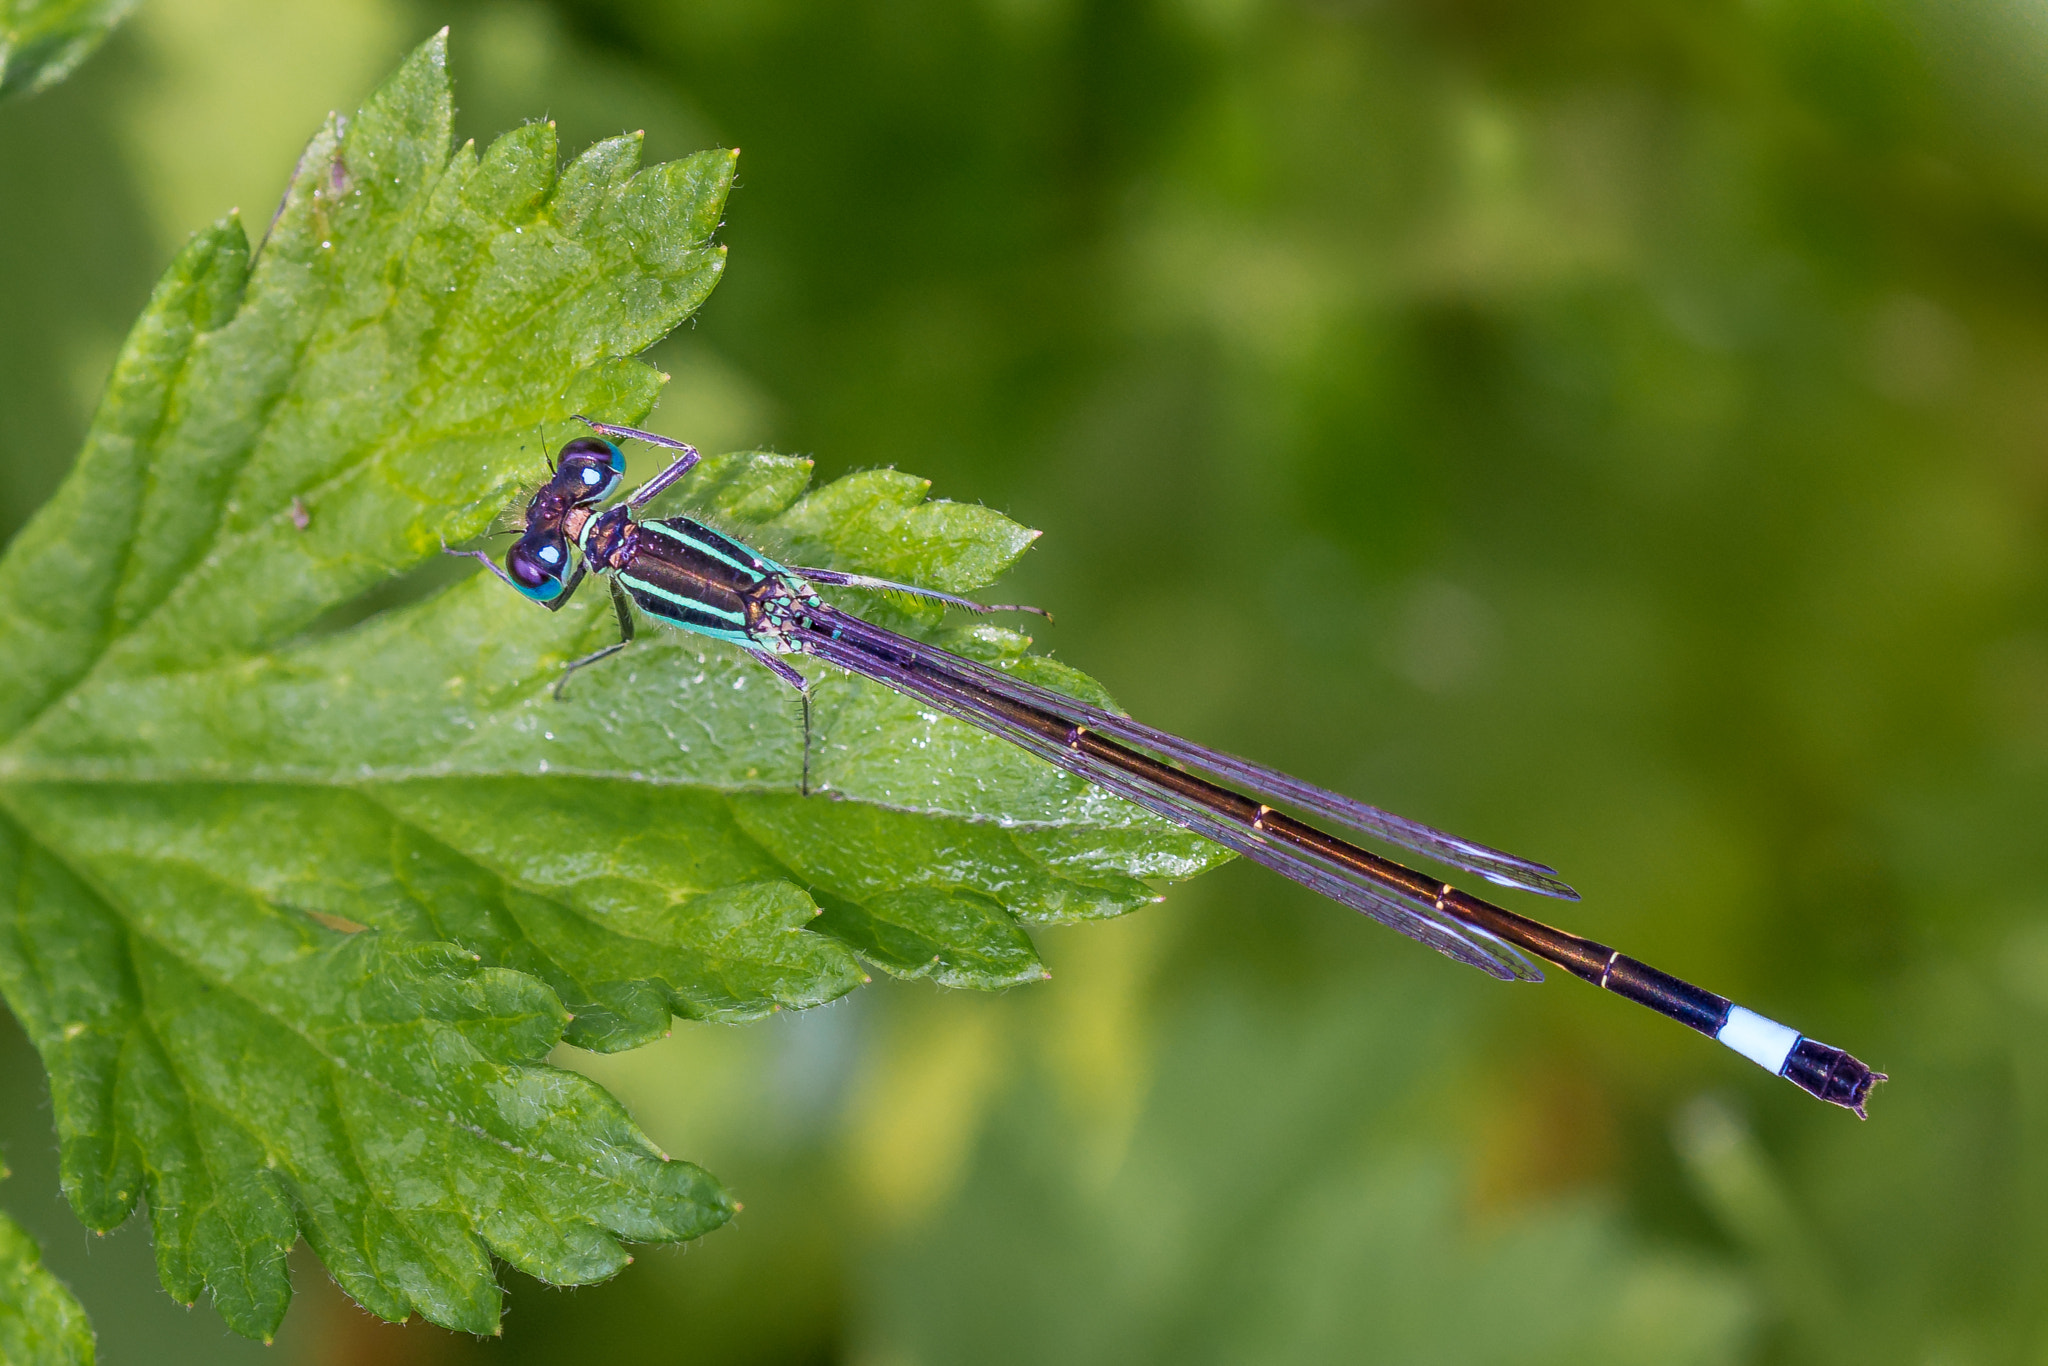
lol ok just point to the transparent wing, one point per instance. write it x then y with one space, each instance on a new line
957 688
1266 784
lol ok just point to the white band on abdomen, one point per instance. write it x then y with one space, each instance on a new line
1764 1042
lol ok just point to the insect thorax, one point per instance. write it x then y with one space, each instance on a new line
607 540
778 610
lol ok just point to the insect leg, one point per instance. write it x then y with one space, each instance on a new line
781 670
683 463
561 599
634 434
625 634
791 676
482 558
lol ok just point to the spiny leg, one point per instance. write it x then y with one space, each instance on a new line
682 466
832 578
633 433
625 639
789 674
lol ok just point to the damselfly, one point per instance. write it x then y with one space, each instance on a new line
692 576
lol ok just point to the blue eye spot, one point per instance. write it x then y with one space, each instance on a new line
550 554
547 590
592 477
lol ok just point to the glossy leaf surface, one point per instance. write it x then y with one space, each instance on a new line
299 909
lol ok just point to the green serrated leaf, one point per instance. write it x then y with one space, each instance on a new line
40 1323
748 487
43 41
244 1053
262 1073
880 518
297 914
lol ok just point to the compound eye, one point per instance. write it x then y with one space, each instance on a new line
588 469
537 564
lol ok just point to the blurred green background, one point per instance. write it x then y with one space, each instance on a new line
1614 431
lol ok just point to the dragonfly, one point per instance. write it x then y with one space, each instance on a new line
692 576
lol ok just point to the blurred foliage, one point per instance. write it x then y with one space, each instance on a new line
1253 1212
39 1319
43 41
1612 431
